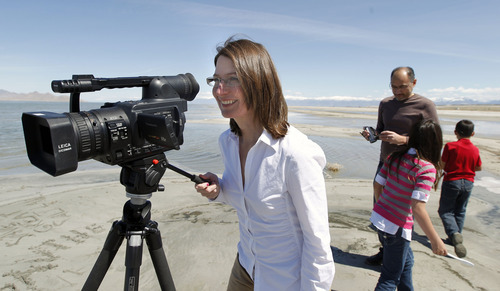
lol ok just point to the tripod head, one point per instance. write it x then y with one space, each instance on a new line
141 177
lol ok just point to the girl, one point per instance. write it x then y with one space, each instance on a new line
402 187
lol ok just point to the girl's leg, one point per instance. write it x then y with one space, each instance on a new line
406 281
397 258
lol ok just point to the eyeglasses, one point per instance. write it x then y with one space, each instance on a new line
230 82
402 87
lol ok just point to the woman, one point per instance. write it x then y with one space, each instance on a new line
402 188
273 177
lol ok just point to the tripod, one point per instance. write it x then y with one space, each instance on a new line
141 178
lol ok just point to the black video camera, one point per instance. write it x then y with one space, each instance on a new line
117 133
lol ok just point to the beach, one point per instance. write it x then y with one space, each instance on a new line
53 229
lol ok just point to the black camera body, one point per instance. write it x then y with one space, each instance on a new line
115 134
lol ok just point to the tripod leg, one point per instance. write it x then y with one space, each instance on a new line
133 260
108 252
153 240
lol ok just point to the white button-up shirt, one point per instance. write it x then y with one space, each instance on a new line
282 211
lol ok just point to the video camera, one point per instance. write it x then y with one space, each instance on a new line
117 133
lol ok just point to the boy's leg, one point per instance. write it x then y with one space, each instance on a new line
461 205
450 191
450 195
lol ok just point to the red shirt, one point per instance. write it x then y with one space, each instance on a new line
461 158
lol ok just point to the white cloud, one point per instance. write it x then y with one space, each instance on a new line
218 16
470 91
437 94
449 94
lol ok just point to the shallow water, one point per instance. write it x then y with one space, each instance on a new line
200 152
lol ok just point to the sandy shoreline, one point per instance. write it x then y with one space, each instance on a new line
51 241
53 229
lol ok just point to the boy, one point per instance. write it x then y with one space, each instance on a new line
460 161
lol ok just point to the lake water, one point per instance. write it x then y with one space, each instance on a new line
200 152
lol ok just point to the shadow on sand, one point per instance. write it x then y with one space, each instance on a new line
350 259
358 261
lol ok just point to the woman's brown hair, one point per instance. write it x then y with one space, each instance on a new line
260 84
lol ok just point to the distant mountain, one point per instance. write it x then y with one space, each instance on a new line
48 97
464 100
33 96
363 103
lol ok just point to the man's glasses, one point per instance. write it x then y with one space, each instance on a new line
402 87
230 82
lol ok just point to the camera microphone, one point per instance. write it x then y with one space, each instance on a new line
87 83
73 86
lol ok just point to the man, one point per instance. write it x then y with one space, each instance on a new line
396 116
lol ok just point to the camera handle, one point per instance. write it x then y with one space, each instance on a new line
141 178
194 178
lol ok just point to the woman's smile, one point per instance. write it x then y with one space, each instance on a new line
227 102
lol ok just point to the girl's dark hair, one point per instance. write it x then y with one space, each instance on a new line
426 138
260 84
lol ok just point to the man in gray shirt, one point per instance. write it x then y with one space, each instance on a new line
396 116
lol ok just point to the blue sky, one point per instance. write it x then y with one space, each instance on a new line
323 50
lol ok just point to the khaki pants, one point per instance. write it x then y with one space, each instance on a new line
239 280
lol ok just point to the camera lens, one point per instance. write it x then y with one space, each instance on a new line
89 134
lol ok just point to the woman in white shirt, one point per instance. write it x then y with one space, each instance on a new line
273 177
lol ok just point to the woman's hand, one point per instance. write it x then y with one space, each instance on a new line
209 189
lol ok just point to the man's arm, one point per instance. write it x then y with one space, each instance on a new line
431 112
380 120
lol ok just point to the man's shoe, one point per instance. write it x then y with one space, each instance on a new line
457 240
376 260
